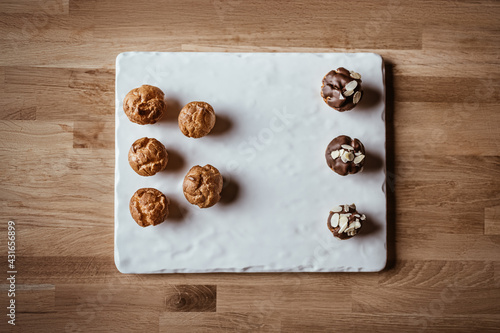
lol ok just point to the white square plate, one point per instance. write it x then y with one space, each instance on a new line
269 142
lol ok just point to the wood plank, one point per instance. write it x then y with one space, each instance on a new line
87 319
477 14
38 76
71 270
492 220
497 274
419 184
439 274
64 242
98 79
31 135
461 39
42 199
53 7
232 30
73 53
266 298
452 299
218 322
89 134
323 321
112 296
31 298
455 127
447 89
451 247
442 63
79 104
424 168
18 105
40 27
191 298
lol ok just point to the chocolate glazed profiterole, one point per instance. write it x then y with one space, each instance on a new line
341 89
344 221
345 155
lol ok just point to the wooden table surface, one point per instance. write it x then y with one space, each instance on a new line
57 167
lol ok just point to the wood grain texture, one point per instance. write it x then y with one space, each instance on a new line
57 166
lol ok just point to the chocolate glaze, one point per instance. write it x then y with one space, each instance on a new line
337 164
333 89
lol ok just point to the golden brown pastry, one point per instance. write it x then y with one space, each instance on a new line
202 186
196 119
149 206
147 156
144 105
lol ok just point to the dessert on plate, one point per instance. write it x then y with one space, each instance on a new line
147 156
345 155
196 119
144 105
202 186
344 221
341 89
148 206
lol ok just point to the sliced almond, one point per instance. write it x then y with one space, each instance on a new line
363 217
334 154
343 158
356 225
353 206
346 208
348 93
355 75
357 215
335 220
349 229
351 85
347 147
343 220
359 159
342 228
358 153
348 156
336 209
356 97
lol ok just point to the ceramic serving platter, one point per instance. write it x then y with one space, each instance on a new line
268 143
